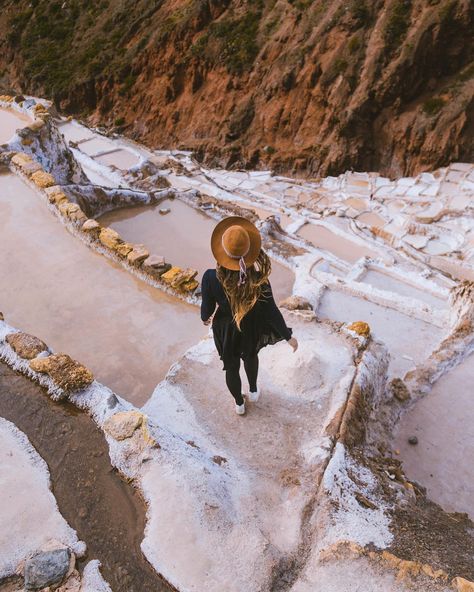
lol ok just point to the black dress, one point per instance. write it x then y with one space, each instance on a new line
262 325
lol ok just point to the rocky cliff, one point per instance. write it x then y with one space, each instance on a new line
307 86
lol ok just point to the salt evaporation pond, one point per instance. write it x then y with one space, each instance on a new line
10 121
443 422
55 287
182 236
383 281
409 341
104 150
323 238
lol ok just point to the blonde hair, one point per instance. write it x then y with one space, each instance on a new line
243 298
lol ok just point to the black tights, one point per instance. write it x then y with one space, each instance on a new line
234 384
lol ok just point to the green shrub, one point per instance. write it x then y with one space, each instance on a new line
337 67
301 4
238 41
360 12
433 105
127 84
119 121
354 44
17 24
397 23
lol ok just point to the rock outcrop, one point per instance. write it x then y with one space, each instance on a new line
301 85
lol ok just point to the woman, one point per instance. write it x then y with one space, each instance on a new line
247 317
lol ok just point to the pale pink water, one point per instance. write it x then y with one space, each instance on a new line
443 422
321 237
10 121
55 287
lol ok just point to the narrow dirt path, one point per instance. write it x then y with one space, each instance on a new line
106 512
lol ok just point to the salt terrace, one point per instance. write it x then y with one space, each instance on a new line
104 244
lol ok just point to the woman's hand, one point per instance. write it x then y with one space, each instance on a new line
293 343
208 322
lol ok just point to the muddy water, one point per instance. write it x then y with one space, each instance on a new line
10 121
396 330
343 248
55 287
182 237
443 422
106 512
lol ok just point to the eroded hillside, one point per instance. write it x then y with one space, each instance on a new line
306 86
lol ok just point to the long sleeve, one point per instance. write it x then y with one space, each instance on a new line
208 303
274 316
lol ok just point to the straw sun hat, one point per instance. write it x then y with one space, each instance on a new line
236 243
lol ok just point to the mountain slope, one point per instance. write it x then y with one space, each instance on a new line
310 86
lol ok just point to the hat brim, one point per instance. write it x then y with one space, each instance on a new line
218 250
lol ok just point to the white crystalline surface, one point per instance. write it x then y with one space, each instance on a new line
92 580
29 516
354 522
359 575
270 461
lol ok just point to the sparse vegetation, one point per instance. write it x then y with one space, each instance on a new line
301 4
433 105
360 12
231 41
49 35
354 44
338 67
397 24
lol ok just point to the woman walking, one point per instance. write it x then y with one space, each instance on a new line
247 317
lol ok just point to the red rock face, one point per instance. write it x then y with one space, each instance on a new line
304 86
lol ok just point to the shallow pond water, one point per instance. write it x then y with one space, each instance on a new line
323 238
10 121
55 287
122 159
182 236
393 328
443 422
91 143
382 281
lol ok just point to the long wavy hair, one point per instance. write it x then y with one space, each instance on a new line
243 298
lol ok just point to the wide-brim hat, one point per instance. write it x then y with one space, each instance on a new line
235 238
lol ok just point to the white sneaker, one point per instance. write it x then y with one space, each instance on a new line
240 409
254 396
